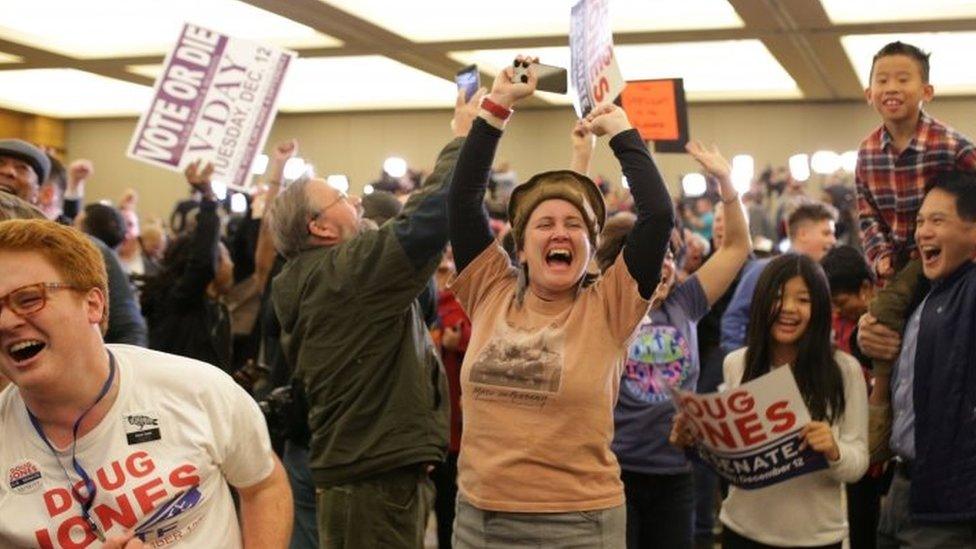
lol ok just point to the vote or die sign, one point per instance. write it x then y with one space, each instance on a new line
751 434
595 74
214 101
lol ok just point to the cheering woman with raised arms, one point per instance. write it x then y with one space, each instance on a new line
544 361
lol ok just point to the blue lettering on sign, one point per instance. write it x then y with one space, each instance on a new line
658 355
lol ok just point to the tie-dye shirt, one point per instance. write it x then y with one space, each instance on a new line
664 352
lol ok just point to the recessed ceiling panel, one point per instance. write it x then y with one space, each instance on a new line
361 82
352 83
755 74
950 62
877 11
114 28
69 93
436 20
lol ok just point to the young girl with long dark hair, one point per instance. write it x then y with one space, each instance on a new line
790 326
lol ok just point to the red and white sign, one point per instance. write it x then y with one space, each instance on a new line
594 71
750 435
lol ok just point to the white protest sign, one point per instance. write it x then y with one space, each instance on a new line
751 434
595 74
214 101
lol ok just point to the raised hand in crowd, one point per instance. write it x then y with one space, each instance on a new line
129 200
583 142
199 178
280 155
817 435
78 173
718 273
264 253
466 111
607 120
505 91
712 161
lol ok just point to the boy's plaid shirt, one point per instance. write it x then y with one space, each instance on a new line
890 187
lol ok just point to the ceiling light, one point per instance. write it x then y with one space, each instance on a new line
219 189
550 18
294 168
260 164
238 203
111 28
848 161
846 11
800 167
338 182
755 75
395 167
825 162
368 189
743 170
693 185
950 51
70 93
367 82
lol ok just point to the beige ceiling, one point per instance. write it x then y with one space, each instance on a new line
798 35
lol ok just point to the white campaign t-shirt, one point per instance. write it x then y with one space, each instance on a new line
160 457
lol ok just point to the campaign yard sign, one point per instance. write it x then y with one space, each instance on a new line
214 101
593 66
751 434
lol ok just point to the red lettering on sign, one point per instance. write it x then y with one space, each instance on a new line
717 414
717 437
780 414
750 429
741 402
601 89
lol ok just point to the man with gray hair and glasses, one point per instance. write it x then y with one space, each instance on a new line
351 328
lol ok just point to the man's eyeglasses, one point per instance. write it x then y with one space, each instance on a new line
342 196
28 300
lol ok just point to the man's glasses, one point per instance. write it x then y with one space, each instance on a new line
342 196
28 300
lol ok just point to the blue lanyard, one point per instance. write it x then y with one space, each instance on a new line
90 489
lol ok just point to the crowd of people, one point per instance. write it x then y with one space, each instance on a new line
330 371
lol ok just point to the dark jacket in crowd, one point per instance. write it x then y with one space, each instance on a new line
125 322
944 471
183 319
351 325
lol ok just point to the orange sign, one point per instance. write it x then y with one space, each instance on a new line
652 107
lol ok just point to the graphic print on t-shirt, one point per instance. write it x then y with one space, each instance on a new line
154 497
657 355
520 367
